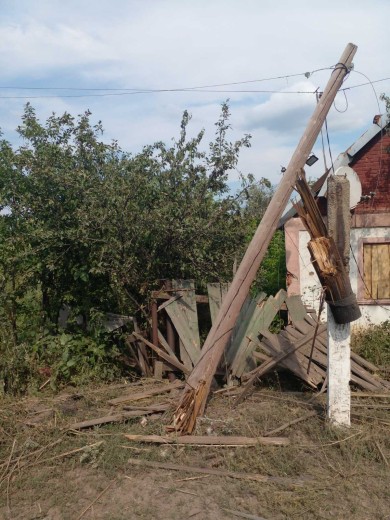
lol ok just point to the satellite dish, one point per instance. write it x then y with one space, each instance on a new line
354 183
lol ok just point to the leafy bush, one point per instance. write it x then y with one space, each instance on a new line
62 358
85 225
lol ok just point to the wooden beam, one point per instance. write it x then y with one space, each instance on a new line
171 360
194 397
210 440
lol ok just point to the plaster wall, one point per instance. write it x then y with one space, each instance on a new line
304 280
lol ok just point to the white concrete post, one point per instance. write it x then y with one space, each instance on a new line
339 372
339 336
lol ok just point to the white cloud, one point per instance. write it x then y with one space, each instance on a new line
171 43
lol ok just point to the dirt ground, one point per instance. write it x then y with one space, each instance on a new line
49 472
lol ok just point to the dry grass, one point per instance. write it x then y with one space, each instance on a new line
347 472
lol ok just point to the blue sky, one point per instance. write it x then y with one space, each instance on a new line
174 44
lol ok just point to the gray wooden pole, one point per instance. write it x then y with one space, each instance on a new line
220 332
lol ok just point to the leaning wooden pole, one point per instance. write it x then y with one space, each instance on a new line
193 400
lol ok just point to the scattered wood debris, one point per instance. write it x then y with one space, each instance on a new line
252 351
161 389
210 440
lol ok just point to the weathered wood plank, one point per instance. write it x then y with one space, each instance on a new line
216 292
367 271
171 360
297 362
155 390
261 318
184 316
384 271
210 440
246 317
295 307
164 343
265 367
109 419
357 371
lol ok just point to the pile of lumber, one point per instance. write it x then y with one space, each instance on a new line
300 347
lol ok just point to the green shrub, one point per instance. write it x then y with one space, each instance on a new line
373 343
64 358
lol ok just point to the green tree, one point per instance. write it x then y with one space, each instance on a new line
90 226
272 273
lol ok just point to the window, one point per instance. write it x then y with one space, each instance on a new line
376 271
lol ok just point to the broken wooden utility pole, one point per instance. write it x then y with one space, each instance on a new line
193 400
325 256
339 335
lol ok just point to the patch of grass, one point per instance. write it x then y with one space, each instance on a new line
346 472
373 343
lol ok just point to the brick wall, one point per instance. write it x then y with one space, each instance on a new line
367 165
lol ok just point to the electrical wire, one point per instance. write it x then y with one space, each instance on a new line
346 104
329 148
284 76
128 92
157 91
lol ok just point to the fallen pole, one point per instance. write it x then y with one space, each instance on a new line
193 400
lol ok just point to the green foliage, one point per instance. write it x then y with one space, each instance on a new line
88 226
272 274
373 343
64 358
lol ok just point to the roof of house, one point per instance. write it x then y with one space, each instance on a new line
343 159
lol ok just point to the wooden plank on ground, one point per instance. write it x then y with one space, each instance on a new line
155 390
290 423
265 367
152 408
210 440
109 419
296 362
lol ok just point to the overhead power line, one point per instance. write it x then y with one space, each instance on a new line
130 92
139 89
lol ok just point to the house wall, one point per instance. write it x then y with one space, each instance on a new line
303 278
372 164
